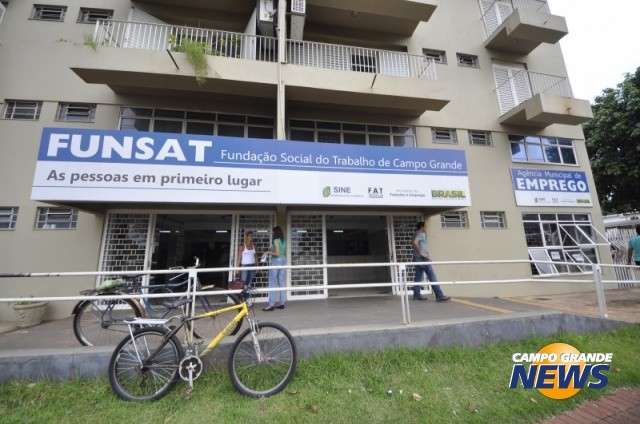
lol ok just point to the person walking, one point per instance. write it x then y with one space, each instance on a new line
421 254
634 248
247 258
277 277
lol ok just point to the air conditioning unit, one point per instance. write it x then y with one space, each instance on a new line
266 17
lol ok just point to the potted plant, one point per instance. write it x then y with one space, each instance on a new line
29 313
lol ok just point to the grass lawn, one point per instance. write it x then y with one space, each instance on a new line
455 384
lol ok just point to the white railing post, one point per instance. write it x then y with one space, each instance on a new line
405 293
602 301
192 287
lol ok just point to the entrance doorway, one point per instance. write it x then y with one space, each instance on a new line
357 239
178 238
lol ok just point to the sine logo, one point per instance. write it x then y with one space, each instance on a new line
560 371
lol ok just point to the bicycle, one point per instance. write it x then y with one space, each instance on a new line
102 322
149 361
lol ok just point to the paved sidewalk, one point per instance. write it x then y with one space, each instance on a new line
620 407
622 304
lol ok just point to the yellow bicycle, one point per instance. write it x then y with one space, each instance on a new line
149 361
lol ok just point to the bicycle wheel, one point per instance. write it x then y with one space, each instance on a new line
133 381
101 322
209 328
266 373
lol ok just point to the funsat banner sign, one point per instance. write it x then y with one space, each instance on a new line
129 166
539 187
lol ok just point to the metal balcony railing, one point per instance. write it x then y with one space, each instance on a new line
495 12
515 87
360 59
160 37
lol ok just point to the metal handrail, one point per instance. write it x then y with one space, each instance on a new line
160 37
525 84
492 18
360 59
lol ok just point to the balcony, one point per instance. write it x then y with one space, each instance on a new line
400 17
538 100
520 26
362 78
137 58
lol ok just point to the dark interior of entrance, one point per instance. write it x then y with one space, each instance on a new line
357 239
178 238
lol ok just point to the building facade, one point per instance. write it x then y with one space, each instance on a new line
467 101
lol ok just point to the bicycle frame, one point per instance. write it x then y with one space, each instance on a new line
243 311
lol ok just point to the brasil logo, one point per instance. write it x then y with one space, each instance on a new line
560 371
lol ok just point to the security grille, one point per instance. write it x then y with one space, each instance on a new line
454 220
56 218
22 109
125 242
299 6
91 16
45 12
480 138
306 242
495 220
404 231
8 218
444 135
77 112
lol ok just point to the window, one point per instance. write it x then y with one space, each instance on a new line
22 109
8 218
77 112
493 220
468 60
439 56
91 16
364 63
46 12
351 133
56 218
567 237
480 138
454 220
192 122
444 135
543 149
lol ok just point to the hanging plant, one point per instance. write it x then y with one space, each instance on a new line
196 53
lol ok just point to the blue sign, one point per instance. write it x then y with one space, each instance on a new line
132 147
541 187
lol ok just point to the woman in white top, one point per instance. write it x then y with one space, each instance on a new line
247 258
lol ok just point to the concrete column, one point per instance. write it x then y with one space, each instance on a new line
282 60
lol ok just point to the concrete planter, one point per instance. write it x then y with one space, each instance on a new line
29 314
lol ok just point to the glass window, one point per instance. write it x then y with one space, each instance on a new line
302 135
480 138
22 109
200 128
135 124
301 124
77 112
165 113
260 132
8 218
379 140
468 60
560 238
231 118
355 138
495 220
56 218
258 120
231 130
329 137
517 152
569 156
404 141
444 135
534 150
439 56
354 127
201 116
135 112
328 125
551 152
91 16
47 12
454 220
160 125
